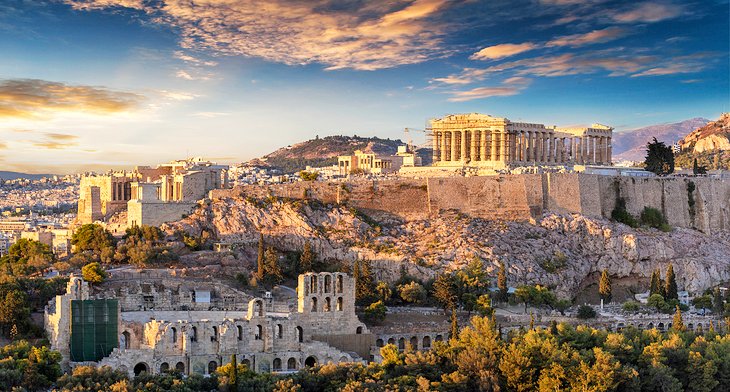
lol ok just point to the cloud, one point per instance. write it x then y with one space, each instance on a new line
3 146
56 141
210 114
510 86
33 98
570 64
178 95
360 35
501 51
649 12
467 76
593 37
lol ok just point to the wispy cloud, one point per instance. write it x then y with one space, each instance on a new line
510 86
33 99
649 12
593 37
502 50
210 114
56 141
365 36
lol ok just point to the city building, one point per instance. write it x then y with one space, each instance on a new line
4 244
368 163
482 140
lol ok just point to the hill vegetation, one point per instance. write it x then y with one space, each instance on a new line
708 145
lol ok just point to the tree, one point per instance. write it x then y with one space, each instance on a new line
703 302
586 312
272 269
454 331
93 273
384 291
375 312
363 281
95 241
718 303
260 267
14 311
502 282
444 291
656 286
670 287
308 176
307 258
677 323
657 301
659 158
484 305
604 286
412 292
26 256
698 169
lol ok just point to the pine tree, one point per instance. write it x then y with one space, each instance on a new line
718 304
656 283
677 323
366 283
444 291
532 321
307 258
604 286
502 282
272 267
670 288
659 158
454 325
260 268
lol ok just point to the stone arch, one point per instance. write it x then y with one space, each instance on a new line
125 341
240 332
651 326
141 368
276 364
327 283
291 364
401 344
661 326
194 335
314 304
310 361
259 332
173 330
414 343
246 363
343 359
279 331
214 335
426 342
439 338
313 284
700 327
327 304
300 334
391 341
339 284
212 366
180 367
358 330
339 304
164 367
379 342
691 327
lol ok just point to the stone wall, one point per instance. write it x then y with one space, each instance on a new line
140 212
518 197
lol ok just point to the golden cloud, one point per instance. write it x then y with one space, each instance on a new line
502 50
510 86
33 98
649 12
593 37
378 34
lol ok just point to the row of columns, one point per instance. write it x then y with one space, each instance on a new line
519 146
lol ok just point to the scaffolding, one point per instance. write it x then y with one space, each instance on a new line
94 329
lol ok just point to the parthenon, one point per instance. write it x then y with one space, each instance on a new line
482 140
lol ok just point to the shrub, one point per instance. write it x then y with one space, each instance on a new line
654 218
630 306
412 292
586 312
375 312
620 214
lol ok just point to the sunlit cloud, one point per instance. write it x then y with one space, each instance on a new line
510 86
649 12
178 95
373 35
40 99
593 37
210 114
467 76
502 50
56 141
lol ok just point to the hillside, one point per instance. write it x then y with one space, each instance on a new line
9 175
631 145
709 144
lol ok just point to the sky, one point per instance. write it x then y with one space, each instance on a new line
98 84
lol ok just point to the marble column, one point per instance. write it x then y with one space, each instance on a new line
452 158
502 147
435 147
473 149
482 145
523 150
493 145
443 146
609 152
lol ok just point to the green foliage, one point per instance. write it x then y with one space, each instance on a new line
308 176
555 263
384 291
536 295
27 256
631 306
654 218
364 282
375 312
306 260
702 302
30 368
502 282
621 215
659 158
707 160
604 286
484 305
677 322
272 270
94 242
412 293
657 301
260 263
93 273
656 286
586 312
670 285
14 311
444 291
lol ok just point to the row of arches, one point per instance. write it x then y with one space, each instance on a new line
327 305
414 342
313 284
699 327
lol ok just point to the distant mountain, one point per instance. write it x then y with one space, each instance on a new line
324 151
8 175
631 145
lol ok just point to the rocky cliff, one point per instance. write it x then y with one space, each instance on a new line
711 137
565 251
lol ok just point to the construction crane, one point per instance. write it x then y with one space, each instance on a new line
409 140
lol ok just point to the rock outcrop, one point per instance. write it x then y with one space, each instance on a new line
560 250
714 136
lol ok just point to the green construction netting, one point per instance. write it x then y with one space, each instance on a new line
93 329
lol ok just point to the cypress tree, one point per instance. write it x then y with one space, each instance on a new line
502 281
454 325
366 282
260 269
604 286
273 270
234 375
305 262
718 304
670 288
656 286
356 278
677 322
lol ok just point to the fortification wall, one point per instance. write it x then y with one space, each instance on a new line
154 214
519 197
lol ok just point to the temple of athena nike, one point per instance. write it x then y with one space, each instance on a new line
482 140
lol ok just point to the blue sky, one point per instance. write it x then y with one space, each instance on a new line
93 84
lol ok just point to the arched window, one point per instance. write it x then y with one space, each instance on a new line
126 340
164 367
314 304
339 304
414 343
194 335
240 332
260 308
291 364
327 304
300 334
339 284
214 336
379 342
279 331
212 366
180 367
277 364
140 368
247 363
358 330
343 359
174 335
426 342
310 361
313 284
391 341
439 338
327 283
401 344
259 332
